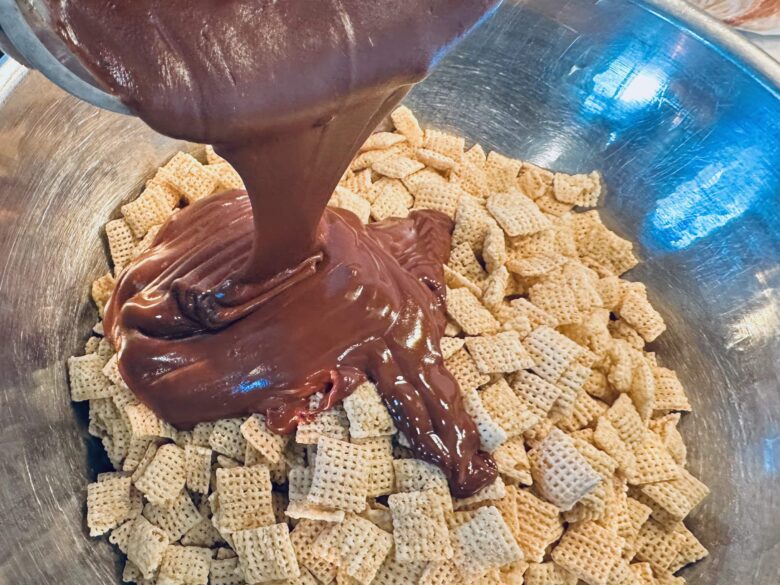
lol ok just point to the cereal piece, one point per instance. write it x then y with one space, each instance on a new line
584 411
588 552
185 565
677 496
393 572
466 310
435 160
558 300
499 353
346 199
691 550
397 167
189 177
416 181
299 480
227 177
580 190
653 461
303 510
561 474
226 438
382 140
203 533
146 546
381 477
483 543
164 478
339 476
517 214
120 536
495 290
491 433
535 181
303 538
269 444
492 492
444 197
415 475
224 572
87 381
637 311
212 157
101 291
180 517
535 266
600 249
669 392
644 574
450 345
243 498
539 525
630 523
266 553
622 574
358 183
538 395
463 261
502 172
626 421
331 423
368 416
658 546
536 316
446 144
441 573
108 504
198 463
471 224
608 439
464 369
121 243
552 352
548 574
391 200
396 190
512 461
363 548
472 177
419 528
151 209
406 124
506 409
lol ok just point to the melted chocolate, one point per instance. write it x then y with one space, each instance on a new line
251 303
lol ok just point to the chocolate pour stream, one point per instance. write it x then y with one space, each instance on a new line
251 302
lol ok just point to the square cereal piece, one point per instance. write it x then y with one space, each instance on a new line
561 474
490 493
225 572
150 209
450 345
435 160
502 172
539 525
536 316
419 527
494 250
626 420
557 299
393 572
657 545
538 395
493 295
608 440
584 410
472 177
535 266
506 409
121 243
580 190
534 181
367 414
463 261
227 177
444 197
143 422
588 552
176 520
120 535
517 214
299 482
382 140
198 463
303 510
691 550
331 423
394 192
243 498
653 461
266 553
381 477
108 504
269 444
441 573
622 574
101 291
463 368
212 157
552 352
415 475
677 496
637 311
188 176
226 438
669 392
468 312
87 381
303 537
358 183
471 224
491 433
445 144
512 461
416 181
406 124
203 533
397 167
163 479
502 353
548 574
363 548
185 565
146 546
339 480
455 279
346 199
483 543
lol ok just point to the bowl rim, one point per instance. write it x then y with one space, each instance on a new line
731 43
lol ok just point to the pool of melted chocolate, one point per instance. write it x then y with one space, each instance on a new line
253 301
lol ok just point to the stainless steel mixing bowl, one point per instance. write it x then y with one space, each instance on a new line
682 117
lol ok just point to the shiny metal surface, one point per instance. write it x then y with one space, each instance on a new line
683 119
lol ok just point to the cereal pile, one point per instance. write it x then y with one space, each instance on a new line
547 343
